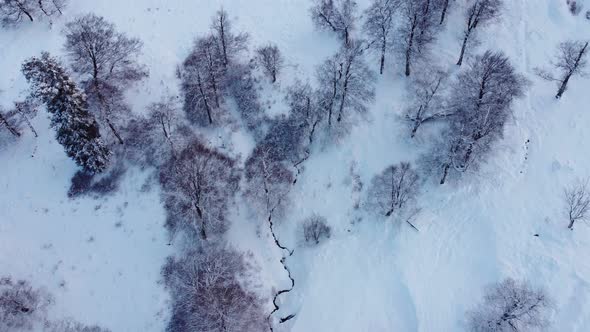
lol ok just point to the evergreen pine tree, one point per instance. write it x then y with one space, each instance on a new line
76 128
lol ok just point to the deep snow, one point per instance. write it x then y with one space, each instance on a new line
372 275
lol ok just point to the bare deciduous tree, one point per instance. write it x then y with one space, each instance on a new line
209 292
198 186
511 306
346 84
154 139
429 104
271 60
481 103
570 61
479 13
379 25
338 16
392 189
577 202
203 79
268 180
229 44
316 229
417 31
106 61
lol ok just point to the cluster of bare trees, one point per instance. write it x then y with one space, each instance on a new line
345 84
24 308
14 11
475 111
204 73
210 293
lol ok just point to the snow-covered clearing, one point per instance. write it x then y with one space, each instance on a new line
101 259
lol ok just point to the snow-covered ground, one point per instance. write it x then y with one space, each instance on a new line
101 258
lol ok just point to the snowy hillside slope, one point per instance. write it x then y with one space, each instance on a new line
101 259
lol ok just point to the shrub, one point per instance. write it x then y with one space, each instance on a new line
316 230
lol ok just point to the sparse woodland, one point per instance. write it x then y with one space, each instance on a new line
455 113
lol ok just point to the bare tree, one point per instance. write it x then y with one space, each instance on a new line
198 186
417 31
271 60
304 109
577 202
338 16
155 138
229 44
203 79
429 91
570 61
268 180
379 25
209 292
14 11
316 230
481 103
106 61
346 84
511 306
479 13
391 190
22 307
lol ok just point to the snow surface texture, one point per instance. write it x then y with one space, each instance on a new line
101 258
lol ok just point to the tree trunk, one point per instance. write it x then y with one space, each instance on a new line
382 65
571 225
114 131
563 86
22 9
410 45
207 108
444 11
445 173
460 62
10 128
42 8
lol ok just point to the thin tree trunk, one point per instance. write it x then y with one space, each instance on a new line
22 9
571 225
563 86
42 8
24 117
10 128
444 11
382 65
207 108
463 47
445 173
114 131
410 45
